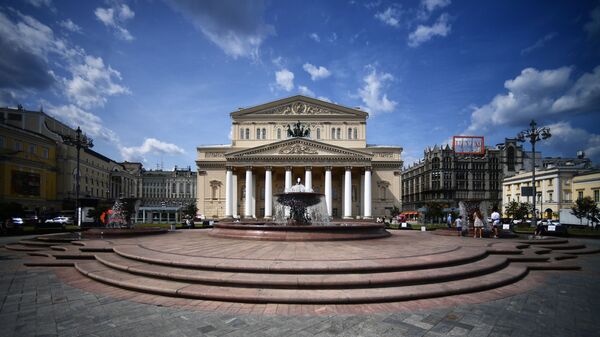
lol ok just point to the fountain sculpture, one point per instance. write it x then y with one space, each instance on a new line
304 206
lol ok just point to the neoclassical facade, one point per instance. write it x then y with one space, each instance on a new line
241 179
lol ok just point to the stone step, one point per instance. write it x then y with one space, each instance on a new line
545 241
459 256
22 248
586 250
567 246
105 274
37 243
297 280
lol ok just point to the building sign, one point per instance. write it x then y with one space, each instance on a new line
468 144
25 183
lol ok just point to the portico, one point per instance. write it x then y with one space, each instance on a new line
241 180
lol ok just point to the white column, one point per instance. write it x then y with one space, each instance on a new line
248 182
288 178
367 194
254 196
268 194
234 198
308 178
228 193
348 194
328 189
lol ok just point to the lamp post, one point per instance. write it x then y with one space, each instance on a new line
533 134
80 141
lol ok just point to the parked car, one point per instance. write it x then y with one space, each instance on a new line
60 220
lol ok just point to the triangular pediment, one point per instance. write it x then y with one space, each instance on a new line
297 107
297 147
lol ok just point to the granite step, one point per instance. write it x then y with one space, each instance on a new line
457 257
567 246
108 275
23 248
37 243
581 251
298 280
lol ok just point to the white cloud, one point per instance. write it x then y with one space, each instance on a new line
93 82
89 123
40 3
431 5
150 146
70 26
539 43
323 98
534 94
316 73
592 27
315 37
115 17
371 93
285 79
567 140
391 16
425 33
305 91
236 27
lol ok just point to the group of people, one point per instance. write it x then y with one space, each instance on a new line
477 223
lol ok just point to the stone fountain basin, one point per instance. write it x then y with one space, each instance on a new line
122 232
276 232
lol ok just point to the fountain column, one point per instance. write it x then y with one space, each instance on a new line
268 193
248 182
308 178
367 194
328 189
348 193
229 193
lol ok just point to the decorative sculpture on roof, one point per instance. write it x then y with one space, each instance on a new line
298 130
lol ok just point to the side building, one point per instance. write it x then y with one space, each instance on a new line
446 177
165 192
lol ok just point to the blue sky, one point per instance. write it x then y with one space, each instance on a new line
151 80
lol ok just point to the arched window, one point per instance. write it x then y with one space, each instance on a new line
257 133
241 133
264 133
355 133
278 133
349 133
318 133
339 133
247 133
332 133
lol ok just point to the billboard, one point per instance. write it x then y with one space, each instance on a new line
468 144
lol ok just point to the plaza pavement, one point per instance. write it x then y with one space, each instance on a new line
37 302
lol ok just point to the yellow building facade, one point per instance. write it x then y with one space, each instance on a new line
587 185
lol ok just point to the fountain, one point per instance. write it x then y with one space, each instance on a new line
300 215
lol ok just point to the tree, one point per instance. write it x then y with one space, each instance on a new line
190 210
434 210
518 210
584 208
395 211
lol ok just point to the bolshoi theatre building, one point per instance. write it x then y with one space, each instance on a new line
274 144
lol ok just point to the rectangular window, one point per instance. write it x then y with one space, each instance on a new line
32 149
597 195
18 146
1 142
579 195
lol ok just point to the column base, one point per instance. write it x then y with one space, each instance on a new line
348 218
268 218
367 217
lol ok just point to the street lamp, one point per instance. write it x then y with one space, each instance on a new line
80 141
533 134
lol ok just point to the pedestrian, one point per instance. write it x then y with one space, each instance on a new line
478 224
458 223
496 222
449 220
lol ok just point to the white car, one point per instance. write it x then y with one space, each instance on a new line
62 220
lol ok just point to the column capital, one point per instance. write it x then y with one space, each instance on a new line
268 168
288 168
368 168
248 168
308 168
348 168
228 168
328 168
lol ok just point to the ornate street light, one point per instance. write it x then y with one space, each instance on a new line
80 141
533 134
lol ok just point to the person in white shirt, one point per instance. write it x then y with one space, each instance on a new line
496 222
458 223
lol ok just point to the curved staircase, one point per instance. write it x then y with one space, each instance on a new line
460 270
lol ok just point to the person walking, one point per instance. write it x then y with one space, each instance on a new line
449 220
478 224
496 222
458 223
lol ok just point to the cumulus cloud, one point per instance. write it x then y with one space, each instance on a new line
535 94
315 37
592 27
70 26
284 79
237 27
76 117
567 139
93 82
316 73
115 17
391 16
150 146
539 43
305 91
431 5
371 94
425 33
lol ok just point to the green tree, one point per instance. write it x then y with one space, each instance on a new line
190 210
518 210
584 208
434 210
395 211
